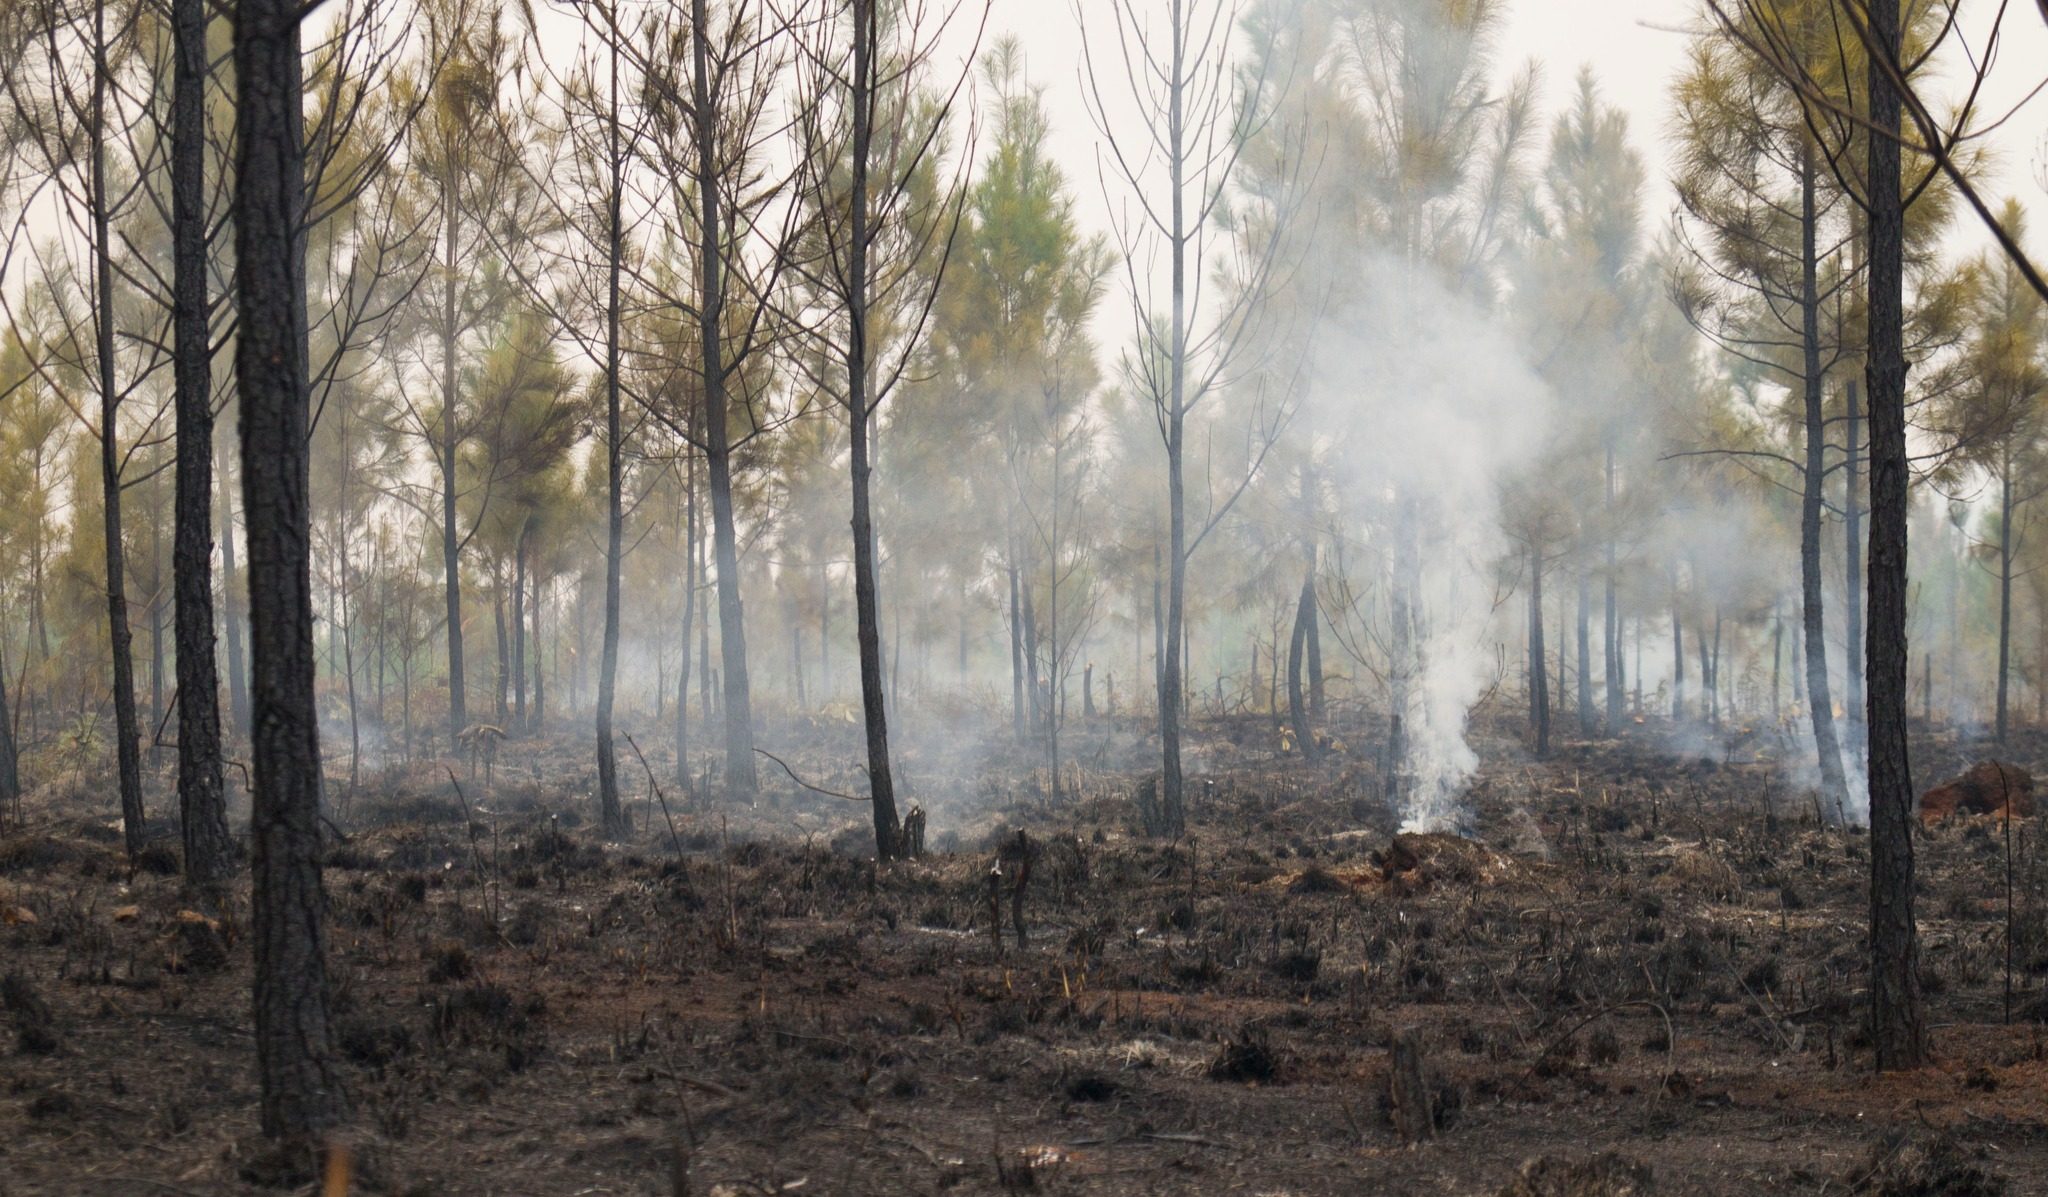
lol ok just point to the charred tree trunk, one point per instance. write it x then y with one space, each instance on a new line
1172 795
10 771
741 778
1852 545
1406 668
519 630
689 626
231 612
1897 1015
301 1089
859 414
1297 652
451 546
1036 705
1539 668
1585 632
2004 591
540 689
202 792
1677 654
1777 658
126 728
1610 641
503 665
612 813
1834 787
1016 647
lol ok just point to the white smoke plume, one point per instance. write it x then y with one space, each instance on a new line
1433 403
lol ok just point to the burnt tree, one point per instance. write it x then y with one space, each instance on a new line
301 1089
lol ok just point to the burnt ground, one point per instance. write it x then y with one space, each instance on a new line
1637 950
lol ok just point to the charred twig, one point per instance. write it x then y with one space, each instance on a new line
674 839
476 853
807 785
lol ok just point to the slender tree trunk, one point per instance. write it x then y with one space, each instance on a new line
10 773
231 610
610 810
156 625
1585 632
1405 666
540 690
1158 625
1834 786
1610 640
1016 646
1539 666
1036 705
1297 652
503 665
126 730
451 546
1677 654
301 1089
741 778
1777 658
519 630
867 603
2004 591
1852 545
1173 800
202 792
689 625
346 629
1897 1015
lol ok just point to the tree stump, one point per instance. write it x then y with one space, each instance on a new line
1408 1093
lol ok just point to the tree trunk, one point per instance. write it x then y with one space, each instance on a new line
1017 721
1834 787
231 611
689 626
1677 654
202 792
1852 545
1898 1018
127 733
451 547
519 630
2004 591
612 813
1617 685
1405 666
741 778
10 773
867 603
1539 667
1036 705
1777 658
540 691
1585 632
503 665
1297 652
301 1088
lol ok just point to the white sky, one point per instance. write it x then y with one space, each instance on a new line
1635 47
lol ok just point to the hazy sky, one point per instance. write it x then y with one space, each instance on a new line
1635 48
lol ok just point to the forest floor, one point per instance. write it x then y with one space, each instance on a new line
1637 950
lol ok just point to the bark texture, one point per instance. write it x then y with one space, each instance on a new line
202 800
301 1088
1898 1018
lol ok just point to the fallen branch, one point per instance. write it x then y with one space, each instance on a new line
807 785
